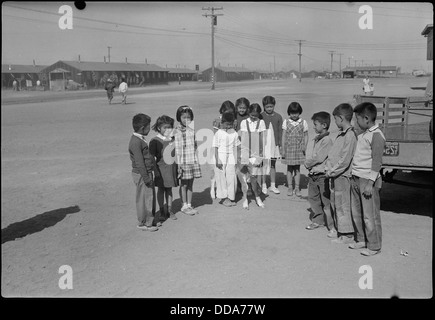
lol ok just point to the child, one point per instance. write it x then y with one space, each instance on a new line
366 181
273 123
372 89
162 147
294 143
123 88
143 167
185 150
226 140
338 170
252 132
318 184
242 105
227 106
110 88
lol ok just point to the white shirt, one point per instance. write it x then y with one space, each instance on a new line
123 87
226 141
294 124
252 125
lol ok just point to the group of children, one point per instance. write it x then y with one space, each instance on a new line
343 175
110 88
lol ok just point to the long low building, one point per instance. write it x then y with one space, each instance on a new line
372 71
26 75
183 74
95 74
228 74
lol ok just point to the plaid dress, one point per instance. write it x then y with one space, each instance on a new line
293 144
185 149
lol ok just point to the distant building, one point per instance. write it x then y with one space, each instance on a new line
428 32
94 74
224 74
185 74
22 73
372 71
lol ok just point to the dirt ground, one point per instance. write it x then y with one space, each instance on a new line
68 199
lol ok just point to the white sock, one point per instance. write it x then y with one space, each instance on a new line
264 185
184 205
189 205
272 184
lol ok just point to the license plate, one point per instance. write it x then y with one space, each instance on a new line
391 149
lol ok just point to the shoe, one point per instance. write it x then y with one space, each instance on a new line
368 252
332 233
147 228
343 240
259 203
357 245
193 210
227 203
246 204
297 192
187 210
313 226
289 191
172 216
158 224
274 190
264 190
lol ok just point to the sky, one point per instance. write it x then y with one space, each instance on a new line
255 35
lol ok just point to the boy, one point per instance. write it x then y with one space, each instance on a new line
123 88
110 88
366 181
338 169
318 184
142 171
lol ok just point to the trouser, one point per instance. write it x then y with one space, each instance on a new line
319 198
366 213
110 95
124 97
145 200
226 180
340 203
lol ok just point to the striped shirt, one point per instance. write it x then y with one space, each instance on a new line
367 160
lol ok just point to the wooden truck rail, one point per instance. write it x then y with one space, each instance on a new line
409 144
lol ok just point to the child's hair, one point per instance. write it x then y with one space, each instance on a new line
255 107
122 80
227 106
323 118
268 100
241 101
162 120
228 117
294 107
366 109
140 120
184 109
345 110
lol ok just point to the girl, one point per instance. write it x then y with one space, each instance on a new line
227 106
273 123
162 147
252 132
185 150
123 88
242 105
225 142
294 143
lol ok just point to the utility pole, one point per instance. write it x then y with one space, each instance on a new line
108 57
332 54
213 23
340 54
300 55
349 62
274 67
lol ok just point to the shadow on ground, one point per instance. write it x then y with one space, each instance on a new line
35 224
